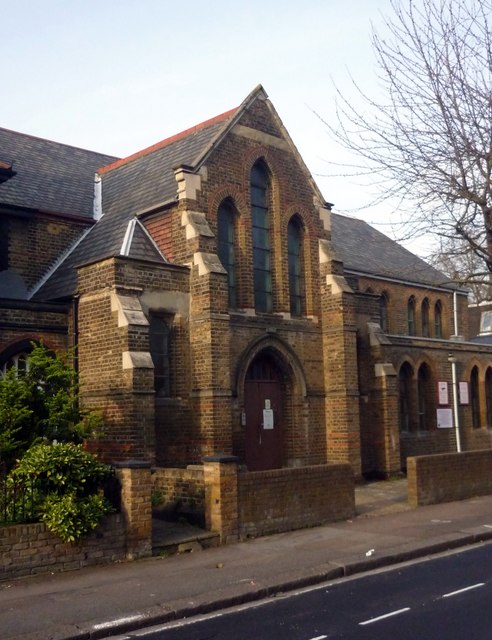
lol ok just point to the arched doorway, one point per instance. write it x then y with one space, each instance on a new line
263 414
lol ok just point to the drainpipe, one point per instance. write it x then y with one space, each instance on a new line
75 335
455 312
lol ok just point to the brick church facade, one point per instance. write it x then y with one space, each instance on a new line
219 307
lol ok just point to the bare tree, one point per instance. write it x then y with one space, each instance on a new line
428 142
454 258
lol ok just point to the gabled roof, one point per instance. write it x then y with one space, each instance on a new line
49 176
364 249
145 181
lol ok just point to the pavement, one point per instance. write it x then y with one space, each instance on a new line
114 599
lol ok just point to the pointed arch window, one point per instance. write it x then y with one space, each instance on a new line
425 318
475 398
488 396
226 222
411 316
295 260
262 258
405 376
438 319
426 400
383 312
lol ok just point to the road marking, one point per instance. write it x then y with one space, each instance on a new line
319 638
112 623
386 615
455 593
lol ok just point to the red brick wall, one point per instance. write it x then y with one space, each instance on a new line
287 499
41 238
448 477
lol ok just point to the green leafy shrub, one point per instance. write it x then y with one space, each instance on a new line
65 484
41 403
72 517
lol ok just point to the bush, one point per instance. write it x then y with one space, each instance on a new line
41 403
66 486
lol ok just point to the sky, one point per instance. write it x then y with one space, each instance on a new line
119 75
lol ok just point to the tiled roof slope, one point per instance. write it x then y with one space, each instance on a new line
364 249
49 176
107 242
146 179
130 186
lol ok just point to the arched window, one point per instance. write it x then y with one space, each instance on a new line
411 316
16 357
425 318
159 340
488 396
405 376
426 398
226 216
383 312
438 319
475 398
17 362
262 259
296 279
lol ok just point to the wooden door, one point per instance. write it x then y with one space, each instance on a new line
263 409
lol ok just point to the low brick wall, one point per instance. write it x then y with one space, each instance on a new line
182 490
449 476
28 549
287 499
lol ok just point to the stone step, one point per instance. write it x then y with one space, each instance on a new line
169 538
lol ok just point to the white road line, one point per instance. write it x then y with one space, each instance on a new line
386 615
318 638
455 593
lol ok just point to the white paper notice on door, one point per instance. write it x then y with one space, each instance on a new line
267 418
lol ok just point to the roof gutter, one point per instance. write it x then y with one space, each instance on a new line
422 285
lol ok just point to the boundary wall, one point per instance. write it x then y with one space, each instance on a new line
445 477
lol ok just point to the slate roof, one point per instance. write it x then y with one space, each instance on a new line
104 239
146 179
130 186
364 249
50 176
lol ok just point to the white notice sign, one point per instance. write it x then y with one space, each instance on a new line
442 387
267 418
444 419
464 398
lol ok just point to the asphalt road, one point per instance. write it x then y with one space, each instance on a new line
448 598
